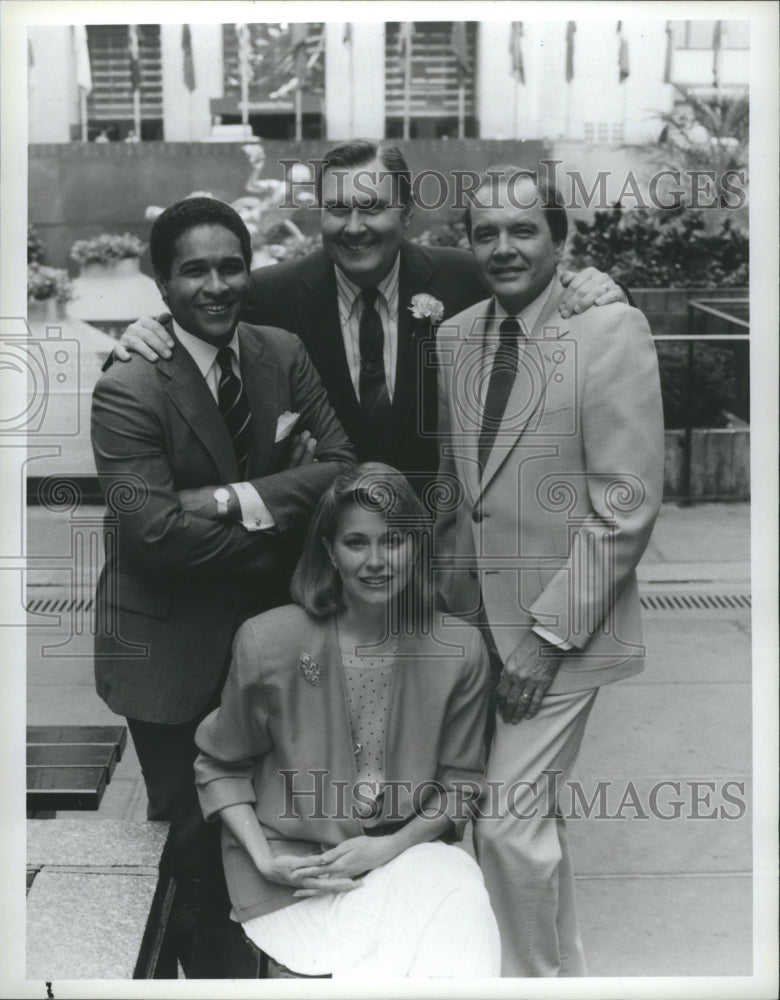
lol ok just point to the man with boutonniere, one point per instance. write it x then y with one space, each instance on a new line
366 304
208 461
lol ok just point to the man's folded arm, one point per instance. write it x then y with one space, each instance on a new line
154 531
294 492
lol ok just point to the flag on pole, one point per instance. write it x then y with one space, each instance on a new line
668 61
298 34
405 29
188 66
716 43
623 69
571 27
83 69
347 36
516 50
135 59
459 45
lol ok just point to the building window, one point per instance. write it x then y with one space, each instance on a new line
603 132
110 104
273 62
700 34
429 87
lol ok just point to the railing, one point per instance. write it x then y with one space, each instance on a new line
704 321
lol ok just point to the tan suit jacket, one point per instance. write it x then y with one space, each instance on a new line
551 533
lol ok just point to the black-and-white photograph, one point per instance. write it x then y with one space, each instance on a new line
390 481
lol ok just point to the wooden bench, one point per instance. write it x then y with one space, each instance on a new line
68 767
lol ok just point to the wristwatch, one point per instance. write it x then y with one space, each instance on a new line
222 496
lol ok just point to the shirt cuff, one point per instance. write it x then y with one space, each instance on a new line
551 637
255 516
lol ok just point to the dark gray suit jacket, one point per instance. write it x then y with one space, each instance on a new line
301 296
175 585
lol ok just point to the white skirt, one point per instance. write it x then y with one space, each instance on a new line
425 913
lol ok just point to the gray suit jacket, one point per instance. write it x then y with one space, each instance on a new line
175 585
552 531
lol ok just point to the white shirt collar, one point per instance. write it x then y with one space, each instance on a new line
529 314
388 287
202 353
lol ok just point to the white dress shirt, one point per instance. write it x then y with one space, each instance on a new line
527 318
255 516
351 310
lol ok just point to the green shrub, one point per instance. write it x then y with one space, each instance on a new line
650 248
106 248
35 249
449 234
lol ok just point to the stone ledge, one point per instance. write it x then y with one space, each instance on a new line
86 926
95 843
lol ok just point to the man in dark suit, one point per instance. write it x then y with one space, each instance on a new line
202 477
371 357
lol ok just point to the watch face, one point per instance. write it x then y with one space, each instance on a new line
221 495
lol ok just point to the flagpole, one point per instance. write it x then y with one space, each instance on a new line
83 113
298 113
137 113
407 79
347 39
244 94
461 110
623 112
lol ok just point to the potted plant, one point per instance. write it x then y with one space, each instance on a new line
111 254
48 289
111 290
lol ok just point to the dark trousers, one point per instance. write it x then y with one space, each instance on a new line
200 912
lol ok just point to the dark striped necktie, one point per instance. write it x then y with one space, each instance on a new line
502 378
234 407
374 397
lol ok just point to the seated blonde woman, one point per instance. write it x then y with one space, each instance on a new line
347 753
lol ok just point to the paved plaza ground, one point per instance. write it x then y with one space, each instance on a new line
657 896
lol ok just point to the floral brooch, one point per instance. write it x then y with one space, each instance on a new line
311 670
425 306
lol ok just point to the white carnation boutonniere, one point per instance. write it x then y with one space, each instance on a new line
425 306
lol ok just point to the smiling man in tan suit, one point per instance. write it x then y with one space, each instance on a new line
551 433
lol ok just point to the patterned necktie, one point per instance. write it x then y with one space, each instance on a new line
502 378
374 397
234 407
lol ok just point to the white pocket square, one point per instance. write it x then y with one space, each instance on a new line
285 424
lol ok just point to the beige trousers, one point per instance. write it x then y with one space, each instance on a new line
521 844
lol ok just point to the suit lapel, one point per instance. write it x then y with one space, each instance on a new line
464 402
257 375
530 387
187 390
415 276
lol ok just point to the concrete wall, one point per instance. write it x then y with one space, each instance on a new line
81 190
52 92
720 465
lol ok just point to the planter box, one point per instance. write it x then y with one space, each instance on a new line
666 309
720 464
111 296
